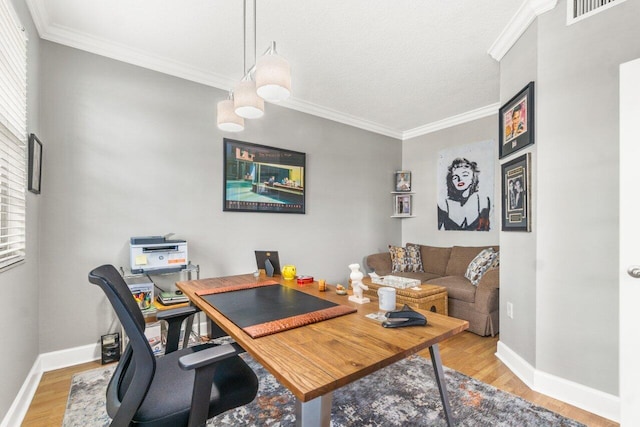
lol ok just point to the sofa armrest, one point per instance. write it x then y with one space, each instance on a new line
490 279
379 263
488 292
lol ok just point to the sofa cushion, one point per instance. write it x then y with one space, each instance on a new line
460 258
481 263
405 259
434 259
458 287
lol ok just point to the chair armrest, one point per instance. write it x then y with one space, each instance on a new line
174 318
205 363
202 358
182 312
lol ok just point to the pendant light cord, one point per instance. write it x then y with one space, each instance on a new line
255 32
244 37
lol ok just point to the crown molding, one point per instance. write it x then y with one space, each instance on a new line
518 24
88 43
340 117
39 15
458 119
120 52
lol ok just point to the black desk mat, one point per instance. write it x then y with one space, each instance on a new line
270 308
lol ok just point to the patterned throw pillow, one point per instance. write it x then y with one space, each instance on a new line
405 259
479 265
496 262
414 259
398 258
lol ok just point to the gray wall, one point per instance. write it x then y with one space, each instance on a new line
577 298
19 316
420 156
569 264
518 249
134 152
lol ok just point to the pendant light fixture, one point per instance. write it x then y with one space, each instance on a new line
269 79
228 120
273 76
247 102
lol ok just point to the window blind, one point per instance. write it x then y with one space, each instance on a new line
13 136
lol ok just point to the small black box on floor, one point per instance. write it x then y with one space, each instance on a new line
110 348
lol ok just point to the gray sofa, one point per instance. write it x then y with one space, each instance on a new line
479 305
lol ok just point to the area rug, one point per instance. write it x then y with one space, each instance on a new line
403 394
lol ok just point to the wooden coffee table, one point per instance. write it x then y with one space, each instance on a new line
428 297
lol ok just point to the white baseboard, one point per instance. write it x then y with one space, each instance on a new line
599 403
20 404
48 362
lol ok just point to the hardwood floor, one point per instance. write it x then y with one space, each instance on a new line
466 353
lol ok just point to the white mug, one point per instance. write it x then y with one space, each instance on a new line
387 299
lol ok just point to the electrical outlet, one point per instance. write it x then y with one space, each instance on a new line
510 310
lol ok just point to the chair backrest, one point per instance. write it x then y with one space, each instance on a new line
132 378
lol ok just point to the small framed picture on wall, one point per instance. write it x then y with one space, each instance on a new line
403 181
516 119
516 194
35 164
402 205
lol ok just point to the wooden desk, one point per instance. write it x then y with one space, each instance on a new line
314 360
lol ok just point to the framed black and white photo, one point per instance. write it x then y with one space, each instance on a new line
403 181
516 194
35 164
516 119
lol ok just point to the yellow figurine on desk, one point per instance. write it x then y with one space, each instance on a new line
289 272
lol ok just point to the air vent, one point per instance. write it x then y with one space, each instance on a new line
581 9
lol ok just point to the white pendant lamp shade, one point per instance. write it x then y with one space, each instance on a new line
228 120
273 77
247 102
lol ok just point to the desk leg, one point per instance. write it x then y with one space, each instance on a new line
188 329
314 413
442 387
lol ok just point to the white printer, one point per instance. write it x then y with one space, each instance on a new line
157 254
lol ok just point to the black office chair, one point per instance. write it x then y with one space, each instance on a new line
182 388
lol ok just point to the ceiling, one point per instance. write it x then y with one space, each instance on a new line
395 67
